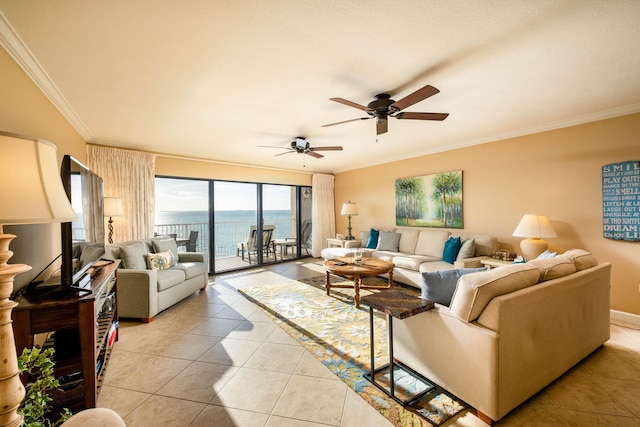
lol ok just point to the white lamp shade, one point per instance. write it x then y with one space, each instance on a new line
535 227
30 186
349 208
113 206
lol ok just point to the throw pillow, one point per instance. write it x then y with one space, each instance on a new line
451 249
388 241
467 250
163 244
161 261
373 239
133 255
546 255
438 286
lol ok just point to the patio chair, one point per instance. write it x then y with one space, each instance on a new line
305 235
191 243
251 245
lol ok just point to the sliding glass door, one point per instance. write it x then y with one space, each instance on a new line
238 224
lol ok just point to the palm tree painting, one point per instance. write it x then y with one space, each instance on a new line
430 200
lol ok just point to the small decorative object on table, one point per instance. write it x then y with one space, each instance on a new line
340 236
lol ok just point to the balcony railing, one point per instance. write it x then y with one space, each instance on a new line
227 234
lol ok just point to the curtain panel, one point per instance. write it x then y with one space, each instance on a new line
323 213
129 175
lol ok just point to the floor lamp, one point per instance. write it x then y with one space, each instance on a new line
31 192
112 207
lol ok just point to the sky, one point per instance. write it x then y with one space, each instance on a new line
193 195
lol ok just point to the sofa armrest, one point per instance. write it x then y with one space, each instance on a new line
470 262
352 243
137 293
192 257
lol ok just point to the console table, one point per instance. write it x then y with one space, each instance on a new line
399 305
84 322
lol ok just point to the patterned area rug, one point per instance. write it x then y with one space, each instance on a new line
337 334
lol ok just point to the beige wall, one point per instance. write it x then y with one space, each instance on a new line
24 110
555 173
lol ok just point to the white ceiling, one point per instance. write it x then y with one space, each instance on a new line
215 79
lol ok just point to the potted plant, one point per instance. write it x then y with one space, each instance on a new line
38 364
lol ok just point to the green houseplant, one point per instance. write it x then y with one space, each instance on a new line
38 363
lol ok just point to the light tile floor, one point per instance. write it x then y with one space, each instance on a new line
215 359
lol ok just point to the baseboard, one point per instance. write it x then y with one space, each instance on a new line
622 316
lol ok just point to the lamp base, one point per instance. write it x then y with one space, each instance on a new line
11 389
531 248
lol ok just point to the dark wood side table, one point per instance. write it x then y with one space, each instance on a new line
399 305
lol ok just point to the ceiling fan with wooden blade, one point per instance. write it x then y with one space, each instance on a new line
301 146
382 107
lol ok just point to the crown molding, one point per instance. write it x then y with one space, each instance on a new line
16 48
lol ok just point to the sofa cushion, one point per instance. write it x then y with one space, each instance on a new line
192 269
438 286
485 245
431 242
451 249
408 241
169 278
467 250
475 291
581 258
372 241
162 260
552 268
163 244
388 241
410 262
133 255
435 264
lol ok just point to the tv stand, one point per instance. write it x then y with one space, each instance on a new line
87 325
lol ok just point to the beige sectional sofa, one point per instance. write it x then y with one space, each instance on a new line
510 331
146 285
418 250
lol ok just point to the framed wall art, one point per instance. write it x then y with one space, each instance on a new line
430 200
621 201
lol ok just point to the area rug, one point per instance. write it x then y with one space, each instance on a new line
337 334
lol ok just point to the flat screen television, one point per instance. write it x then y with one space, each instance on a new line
82 240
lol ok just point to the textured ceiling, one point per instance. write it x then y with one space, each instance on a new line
215 79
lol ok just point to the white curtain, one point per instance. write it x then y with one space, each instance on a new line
129 175
92 208
324 213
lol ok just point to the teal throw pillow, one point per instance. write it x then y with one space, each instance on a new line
547 254
451 249
438 286
373 239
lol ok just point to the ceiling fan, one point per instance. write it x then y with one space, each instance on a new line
301 146
382 107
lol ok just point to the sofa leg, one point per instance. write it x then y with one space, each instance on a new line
485 418
147 319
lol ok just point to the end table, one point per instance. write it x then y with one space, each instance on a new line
399 305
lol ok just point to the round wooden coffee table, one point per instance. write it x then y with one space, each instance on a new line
345 267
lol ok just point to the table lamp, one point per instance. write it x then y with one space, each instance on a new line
112 207
534 228
349 209
32 193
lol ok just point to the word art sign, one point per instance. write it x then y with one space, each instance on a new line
621 201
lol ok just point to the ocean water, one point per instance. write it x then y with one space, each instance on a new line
230 227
